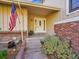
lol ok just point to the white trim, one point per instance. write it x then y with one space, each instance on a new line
68 20
67 9
45 24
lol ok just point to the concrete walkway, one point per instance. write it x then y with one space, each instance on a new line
34 49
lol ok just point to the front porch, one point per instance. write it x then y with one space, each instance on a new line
41 20
36 18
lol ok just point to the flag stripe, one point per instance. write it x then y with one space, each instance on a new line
13 18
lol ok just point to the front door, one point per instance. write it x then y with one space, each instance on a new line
39 25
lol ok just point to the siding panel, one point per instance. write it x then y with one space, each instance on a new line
1 22
8 15
25 19
5 18
5 13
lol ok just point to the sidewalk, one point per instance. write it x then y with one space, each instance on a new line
34 49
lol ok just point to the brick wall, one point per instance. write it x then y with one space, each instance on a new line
69 31
4 36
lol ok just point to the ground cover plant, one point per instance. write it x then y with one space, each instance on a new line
3 54
52 45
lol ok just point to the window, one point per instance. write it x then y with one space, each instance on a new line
73 5
39 23
30 1
37 1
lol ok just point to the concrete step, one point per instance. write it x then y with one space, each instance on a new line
38 35
34 48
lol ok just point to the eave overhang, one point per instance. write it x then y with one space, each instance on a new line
36 7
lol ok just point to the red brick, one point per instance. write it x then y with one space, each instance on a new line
69 31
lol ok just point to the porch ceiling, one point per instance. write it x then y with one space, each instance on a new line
40 11
34 8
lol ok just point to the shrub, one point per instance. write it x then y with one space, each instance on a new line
3 54
58 49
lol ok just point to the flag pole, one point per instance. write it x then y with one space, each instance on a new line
21 25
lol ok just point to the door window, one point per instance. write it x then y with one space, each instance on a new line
40 23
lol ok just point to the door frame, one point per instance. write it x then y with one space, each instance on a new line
45 24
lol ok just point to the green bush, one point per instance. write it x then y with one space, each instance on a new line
58 49
3 54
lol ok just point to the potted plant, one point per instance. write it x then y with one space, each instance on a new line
31 32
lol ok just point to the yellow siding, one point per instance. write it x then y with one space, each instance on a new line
17 27
1 23
25 19
8 14
5 13
50 22
31 22
5 24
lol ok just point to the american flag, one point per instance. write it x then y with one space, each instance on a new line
13 18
